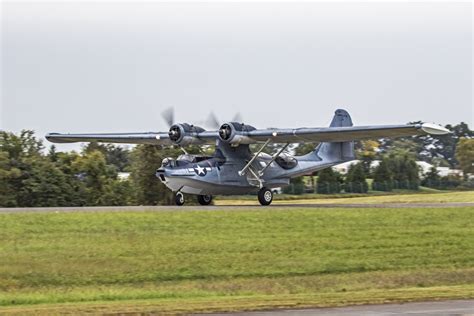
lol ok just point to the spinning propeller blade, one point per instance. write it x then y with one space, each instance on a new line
212 121
168 116
237 118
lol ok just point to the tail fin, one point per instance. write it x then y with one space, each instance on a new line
341 151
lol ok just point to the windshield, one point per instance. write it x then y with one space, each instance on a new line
186 157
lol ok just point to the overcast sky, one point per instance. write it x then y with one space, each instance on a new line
115 66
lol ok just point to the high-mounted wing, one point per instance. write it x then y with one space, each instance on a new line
343 134
340 130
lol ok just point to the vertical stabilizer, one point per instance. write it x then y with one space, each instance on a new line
337 151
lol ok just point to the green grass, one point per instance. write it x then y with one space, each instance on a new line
232 260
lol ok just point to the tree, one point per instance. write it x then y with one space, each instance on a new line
383 180
52 154
42 184
92 170
75 189
8 196
465 155
118 193
115 155
30 178
304 148
367 153
355 180
328 182
404 170
432 178
296 186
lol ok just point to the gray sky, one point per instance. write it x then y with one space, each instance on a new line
114 66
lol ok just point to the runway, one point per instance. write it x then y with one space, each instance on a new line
457 307
255 207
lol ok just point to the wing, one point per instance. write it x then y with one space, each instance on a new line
298 135
343 134
126 138
151 138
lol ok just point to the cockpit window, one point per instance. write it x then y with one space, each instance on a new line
201 158
192 158
186 157
168 161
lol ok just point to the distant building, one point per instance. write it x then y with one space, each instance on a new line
123 176
345 166
446 171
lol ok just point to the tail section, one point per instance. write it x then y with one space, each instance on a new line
341 151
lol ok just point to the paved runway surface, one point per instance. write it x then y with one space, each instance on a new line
464 307
229 207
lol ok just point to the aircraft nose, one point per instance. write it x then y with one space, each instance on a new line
160 173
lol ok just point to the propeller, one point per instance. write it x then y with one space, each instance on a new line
168 116
237 118
211 121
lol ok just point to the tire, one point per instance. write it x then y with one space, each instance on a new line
265 196
204 199
179 199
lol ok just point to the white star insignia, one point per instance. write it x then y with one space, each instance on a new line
200 170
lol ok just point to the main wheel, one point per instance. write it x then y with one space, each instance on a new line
265 196
179 199
204 199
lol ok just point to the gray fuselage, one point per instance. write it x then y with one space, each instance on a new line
219 174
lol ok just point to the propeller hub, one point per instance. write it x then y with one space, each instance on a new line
225 131
175 133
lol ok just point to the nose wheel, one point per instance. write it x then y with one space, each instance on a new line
179 198
204 199
265 196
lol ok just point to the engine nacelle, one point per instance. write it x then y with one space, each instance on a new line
184 134
235 133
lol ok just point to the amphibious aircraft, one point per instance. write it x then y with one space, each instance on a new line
234 169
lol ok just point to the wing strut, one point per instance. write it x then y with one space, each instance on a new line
273 159
242 172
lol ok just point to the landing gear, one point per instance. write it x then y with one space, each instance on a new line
179 199
204 199
265 196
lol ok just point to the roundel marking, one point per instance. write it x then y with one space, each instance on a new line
200 171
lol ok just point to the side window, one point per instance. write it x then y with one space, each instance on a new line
286 162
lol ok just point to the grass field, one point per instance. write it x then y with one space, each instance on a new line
179 262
